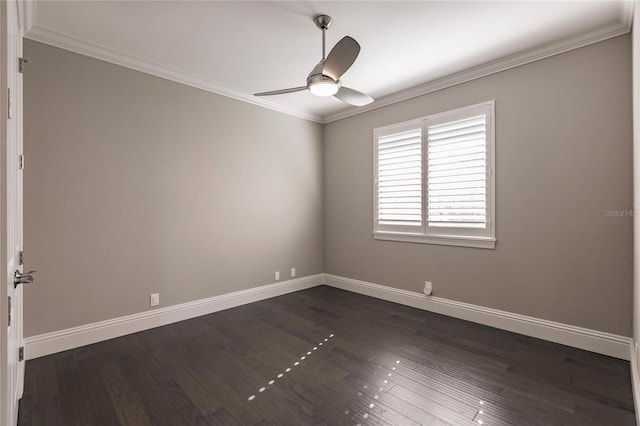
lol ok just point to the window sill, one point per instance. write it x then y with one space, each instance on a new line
453 240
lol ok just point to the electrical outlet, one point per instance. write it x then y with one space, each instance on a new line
155 299
636 345
293 272
277 275
428 288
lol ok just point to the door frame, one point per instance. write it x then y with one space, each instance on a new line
12 18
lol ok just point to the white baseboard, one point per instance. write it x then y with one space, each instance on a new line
635 380
62 340
583 338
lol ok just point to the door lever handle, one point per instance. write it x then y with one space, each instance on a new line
22 278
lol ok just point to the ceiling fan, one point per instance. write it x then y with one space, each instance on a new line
324 78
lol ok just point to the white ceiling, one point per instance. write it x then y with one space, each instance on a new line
238 48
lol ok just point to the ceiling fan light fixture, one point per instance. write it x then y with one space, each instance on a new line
324 88
322 85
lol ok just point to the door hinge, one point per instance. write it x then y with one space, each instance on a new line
9 323
21 257
9 103
21 62
21 162
21 353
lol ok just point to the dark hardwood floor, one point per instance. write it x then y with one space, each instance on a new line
326 356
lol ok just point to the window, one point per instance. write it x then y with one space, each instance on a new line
434 179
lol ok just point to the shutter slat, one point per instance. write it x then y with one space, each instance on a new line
398 172
465 177
399 154
477 156
470 198
398 160
466 211
400 176
480 149
398 148
398 182
458 165
407 217
400 211
399 194
455 134
456 185
410 134
468 206
395 222
400 189
453 125
456 172
456 218
399 167
468 139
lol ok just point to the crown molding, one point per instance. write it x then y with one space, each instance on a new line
57 39
28 18
492 67
64 41
626 15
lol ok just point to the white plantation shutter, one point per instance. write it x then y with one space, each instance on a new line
457 173
399 189
434 180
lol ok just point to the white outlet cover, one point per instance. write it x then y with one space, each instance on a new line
428 288
293 272
155 299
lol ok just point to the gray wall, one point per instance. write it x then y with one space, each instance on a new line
136 185
563 157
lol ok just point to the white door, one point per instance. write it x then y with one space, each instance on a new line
11 210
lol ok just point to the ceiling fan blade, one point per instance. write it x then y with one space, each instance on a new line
341 57
281 92
353 97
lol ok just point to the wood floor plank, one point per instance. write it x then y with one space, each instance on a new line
75 407
378 395
47 413
128 406
326 356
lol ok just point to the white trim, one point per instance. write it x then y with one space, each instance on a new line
454 234
492 67
29 17
583 338
635 380
445 240
628 10
578 337
67 42
57 341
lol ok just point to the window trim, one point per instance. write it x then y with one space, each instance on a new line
454 236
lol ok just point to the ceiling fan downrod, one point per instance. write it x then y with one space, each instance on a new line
323 22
